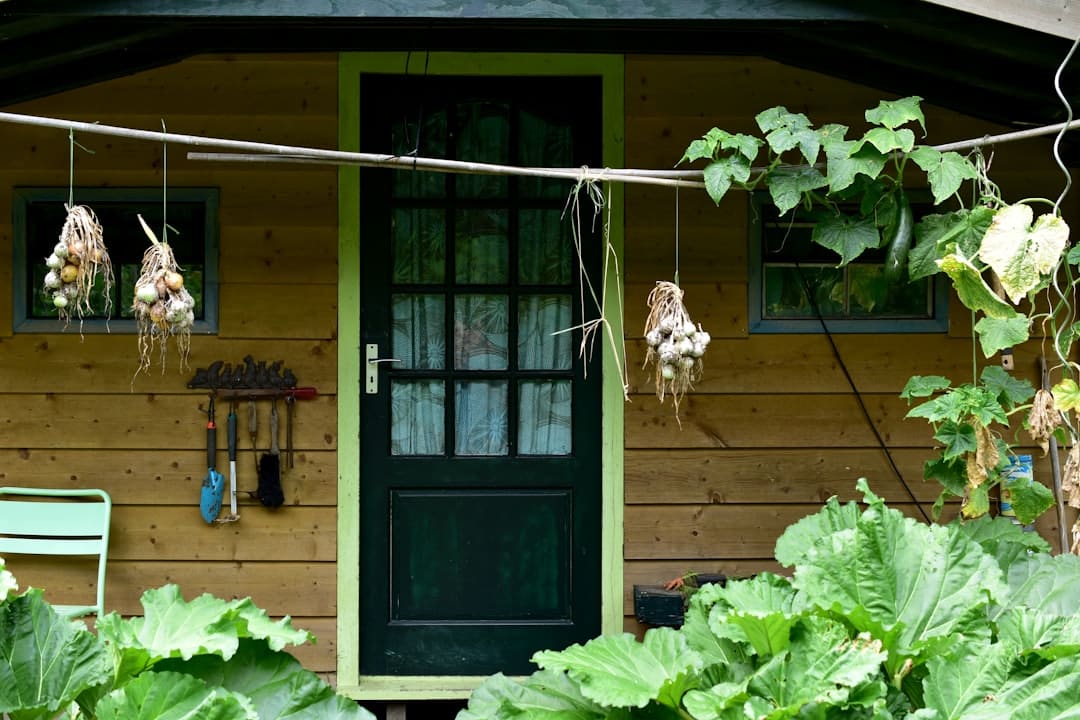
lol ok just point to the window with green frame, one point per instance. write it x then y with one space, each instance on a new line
191 216
797 286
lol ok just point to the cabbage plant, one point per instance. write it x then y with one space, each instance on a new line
882 618
207 658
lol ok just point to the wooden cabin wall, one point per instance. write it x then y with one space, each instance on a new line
72 414
774 428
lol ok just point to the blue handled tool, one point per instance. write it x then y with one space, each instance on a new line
213 485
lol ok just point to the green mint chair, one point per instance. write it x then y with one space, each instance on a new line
34 522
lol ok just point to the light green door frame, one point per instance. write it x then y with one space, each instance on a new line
350 66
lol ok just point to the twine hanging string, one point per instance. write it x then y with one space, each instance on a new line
71 168
676 233
589 187
164 182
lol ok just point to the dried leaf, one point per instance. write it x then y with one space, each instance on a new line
984 459
1070 478
1043 419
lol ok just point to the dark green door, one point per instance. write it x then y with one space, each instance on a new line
480 454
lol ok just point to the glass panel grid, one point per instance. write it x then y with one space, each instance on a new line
481 332
417 424
480 422
544 417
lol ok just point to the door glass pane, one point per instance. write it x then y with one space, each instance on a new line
545 142
480 425
480 332
544 421
483 136
482 248
545 247
540 317
418 238
418 336
417 424
426 139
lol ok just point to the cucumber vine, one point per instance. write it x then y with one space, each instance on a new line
1013 270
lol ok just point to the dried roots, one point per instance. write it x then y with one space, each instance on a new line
676 345
76 263
163 306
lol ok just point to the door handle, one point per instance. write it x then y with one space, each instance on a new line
371 367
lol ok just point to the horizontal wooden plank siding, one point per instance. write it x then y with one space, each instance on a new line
774 426
72 414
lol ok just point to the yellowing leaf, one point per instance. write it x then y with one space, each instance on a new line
1019 253
1066 395
972 289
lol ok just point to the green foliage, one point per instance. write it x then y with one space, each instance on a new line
210 658
997 255
883 618
965 419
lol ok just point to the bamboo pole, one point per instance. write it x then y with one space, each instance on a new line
294 153
250 151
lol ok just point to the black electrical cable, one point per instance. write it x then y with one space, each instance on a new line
855 391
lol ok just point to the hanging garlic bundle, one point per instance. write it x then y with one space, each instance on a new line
163 306
77 261
676 345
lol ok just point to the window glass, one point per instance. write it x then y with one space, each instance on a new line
798 285
191 217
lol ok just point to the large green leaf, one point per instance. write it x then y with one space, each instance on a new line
894 113
916 583
715 651
717 176
1038 633
972 289
945 171
1009 391
545 695
1047 583
760 608
275 682
936 235
619 671
959 403
1029 499
797 539
886 140
958 439
1049 694
919 386
847 159
996 335
45 660
1019 253
821 668
787 130
847 236
1003 539
173 627
723 700
960 682
172 696
786 186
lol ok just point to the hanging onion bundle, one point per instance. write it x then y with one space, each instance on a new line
76 263
163 306
676 344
